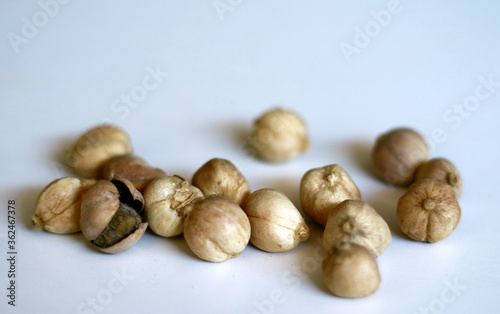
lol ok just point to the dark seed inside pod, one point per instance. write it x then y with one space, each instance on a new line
125 221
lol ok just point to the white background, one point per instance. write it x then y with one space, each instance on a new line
225 68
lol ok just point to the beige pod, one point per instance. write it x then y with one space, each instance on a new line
111 215
397 155
95 147
216 228
277 225
58 206
133 168
357 222
321 189
279 135
165 199
443 170
428 211
220 176
351 271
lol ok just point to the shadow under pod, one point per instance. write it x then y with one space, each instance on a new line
385 202
359 151
178 241
58 157
237 132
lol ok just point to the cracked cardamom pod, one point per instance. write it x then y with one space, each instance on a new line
111 215
165 199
